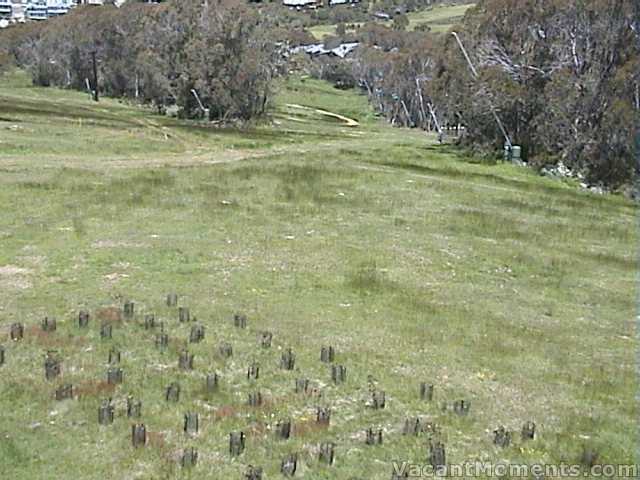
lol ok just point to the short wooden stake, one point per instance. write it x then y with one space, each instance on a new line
225 350
172 300
162 341
253 372
265 339
288 360
254 399
437 457
327 453
129 310
83 319
211 383
283 429
172 394
253 473
240 320
189 458
183 314
64 392
197 334
338 374
191 423
302 385
106 331
49 324
373 436
114 376
327 354
426 391
289 465
17 332
1 354
501 437
114 356
149 321
185 361
138 435
134 408
236 443
323 415
105 413
528 431
52 366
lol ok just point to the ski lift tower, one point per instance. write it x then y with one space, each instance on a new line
511 152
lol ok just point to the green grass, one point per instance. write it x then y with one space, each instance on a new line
498 286
440 18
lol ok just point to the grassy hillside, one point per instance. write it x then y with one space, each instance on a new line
497 286
440 18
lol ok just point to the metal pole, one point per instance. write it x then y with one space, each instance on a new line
474 72
95 75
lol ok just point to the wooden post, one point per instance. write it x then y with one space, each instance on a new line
327 453
52 366
327 354
149 321
129 308
302 385
64 392
254 399
83 319
253 473
289 465
105 413
17 332
253 372
265 339
225 350
172 393
134 408
191 423
211 384
338 374
378 400
94 65
106 331
236 443
183 314
162 341
437 457
323 415
461 407
197 334
528 431
114 376
501 437
283 429
288 360
412 426
138 435
185 362
240 320
426 391
172 299
374 437
189 457
1 354
114 356
49 324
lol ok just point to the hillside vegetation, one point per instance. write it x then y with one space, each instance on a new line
497 286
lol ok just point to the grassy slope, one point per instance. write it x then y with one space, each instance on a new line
440 18
500 287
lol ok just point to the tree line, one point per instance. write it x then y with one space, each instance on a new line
215 58
564 78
